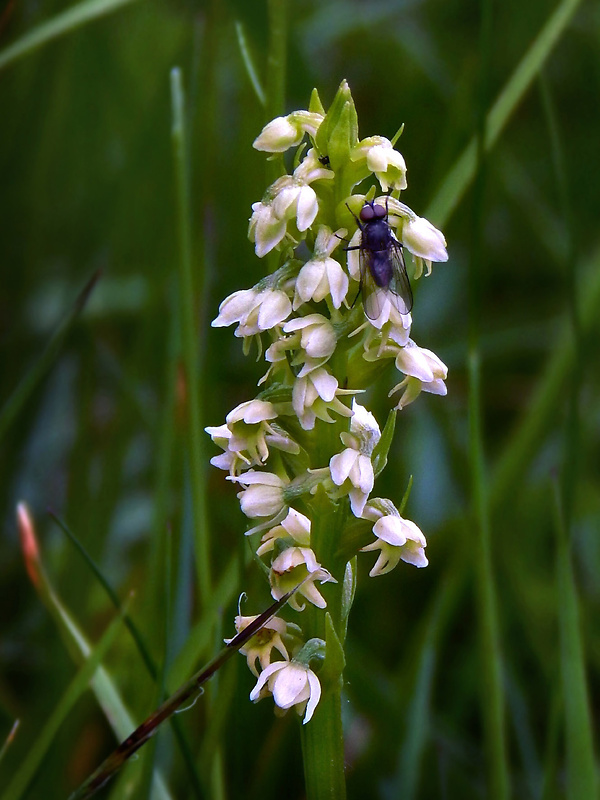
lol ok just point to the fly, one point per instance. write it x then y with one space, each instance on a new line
383 273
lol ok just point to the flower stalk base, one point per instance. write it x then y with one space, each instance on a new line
323 751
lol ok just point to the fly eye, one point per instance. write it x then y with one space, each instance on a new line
367 213
379 212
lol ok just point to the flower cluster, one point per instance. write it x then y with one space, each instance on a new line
304 453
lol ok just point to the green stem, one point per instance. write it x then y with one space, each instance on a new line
189 338
323 750
322 737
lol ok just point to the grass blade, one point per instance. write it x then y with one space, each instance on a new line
30 381
78 686
188 691
582 783
249 64
131 626
58 26
462 173
406 779
492 699
541 410
10 738
76 643
141 646
189 339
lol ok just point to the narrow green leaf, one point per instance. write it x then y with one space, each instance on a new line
380 453
190 689
249 64
57 26
315 105
406 495
200 639
541 409
441 611
190 276
10 738
417 720
78 686
114 598
142 649
348 592
33 377
76 643
335 661
582 783
461 174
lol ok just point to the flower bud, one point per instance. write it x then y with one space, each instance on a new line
424 240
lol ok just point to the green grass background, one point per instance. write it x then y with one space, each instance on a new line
94 406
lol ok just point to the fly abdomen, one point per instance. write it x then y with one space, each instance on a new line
381 268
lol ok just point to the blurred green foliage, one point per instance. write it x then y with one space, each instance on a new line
88 184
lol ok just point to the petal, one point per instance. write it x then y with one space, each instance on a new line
320 341
365 476
264 677
312 594
235 308
308 280
269 236
315 696
325 384
307 208
261 501
253 476
223 461
353 256
284 204
390 529
289 684
341 464
251 412
424 240
217 432
275 306
435 387
338 282
278 136
299 393
298 526
415 556
388 559
412 361
377 158
358 500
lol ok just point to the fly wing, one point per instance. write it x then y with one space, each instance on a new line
399 286
373 296
397 291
